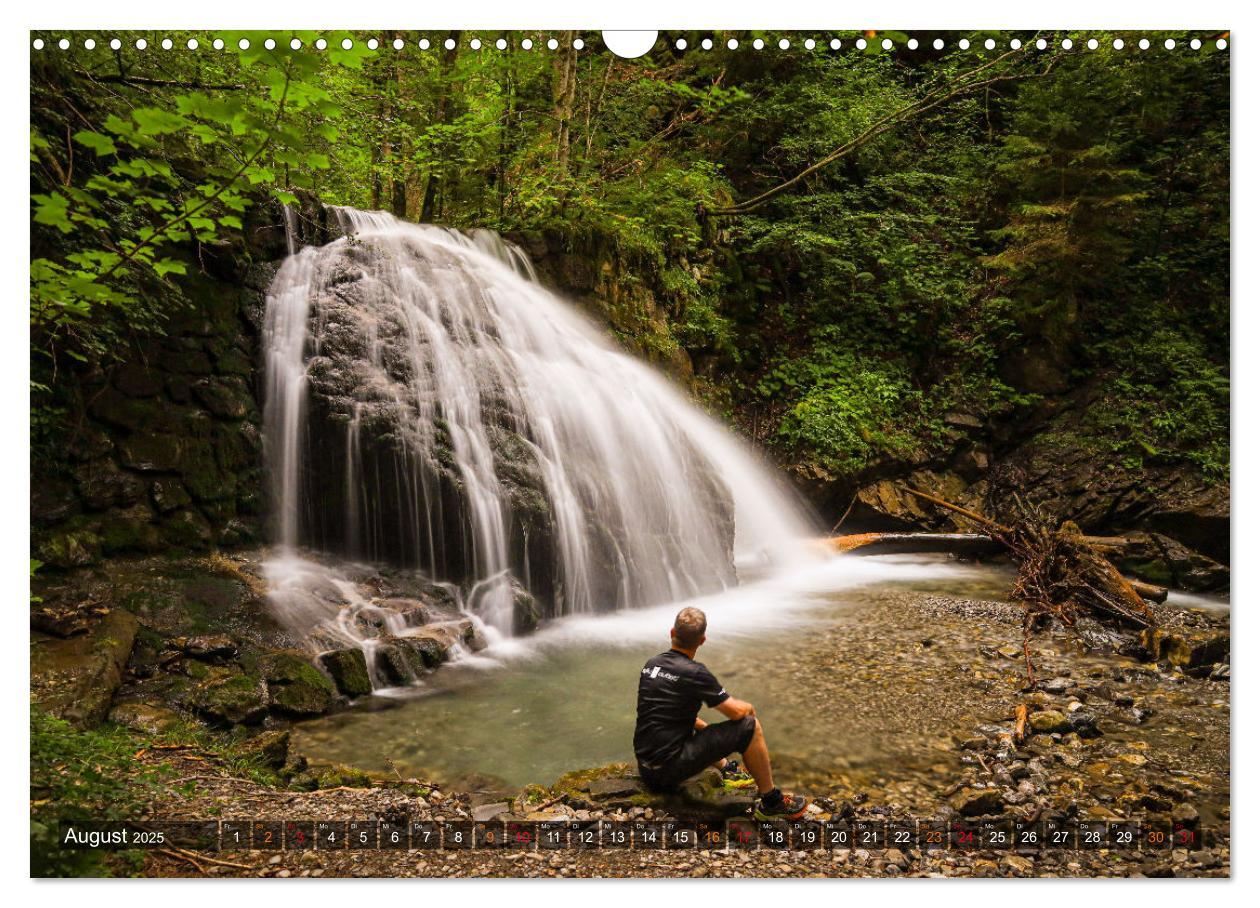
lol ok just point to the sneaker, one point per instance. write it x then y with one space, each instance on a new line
734 776
789 808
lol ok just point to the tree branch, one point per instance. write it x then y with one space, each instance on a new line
962 85
159 83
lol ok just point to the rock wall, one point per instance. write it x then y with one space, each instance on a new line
624 296
161 450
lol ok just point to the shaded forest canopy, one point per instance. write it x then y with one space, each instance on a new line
843 247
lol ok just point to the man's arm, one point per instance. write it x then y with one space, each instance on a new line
735 709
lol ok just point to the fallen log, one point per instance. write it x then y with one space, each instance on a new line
909 543
969 545
1148 591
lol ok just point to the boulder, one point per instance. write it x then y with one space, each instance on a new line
348 670
886 505
1193 650
103 485
228 398
702 797
398 663
72 548
296 687
148 718
268 748
169 494
76 678
234 699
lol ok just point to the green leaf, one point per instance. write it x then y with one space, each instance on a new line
100 144
163 267
54 211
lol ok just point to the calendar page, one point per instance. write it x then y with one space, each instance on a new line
706 454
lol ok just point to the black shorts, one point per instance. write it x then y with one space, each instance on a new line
706 746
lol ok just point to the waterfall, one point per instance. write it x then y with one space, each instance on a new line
430 404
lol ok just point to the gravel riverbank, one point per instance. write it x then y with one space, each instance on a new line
927 688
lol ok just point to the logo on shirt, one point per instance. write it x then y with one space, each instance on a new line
656 670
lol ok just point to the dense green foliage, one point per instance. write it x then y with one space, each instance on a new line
995 228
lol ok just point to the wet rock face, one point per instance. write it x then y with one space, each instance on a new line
163 450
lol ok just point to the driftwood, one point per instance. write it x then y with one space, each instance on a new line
1021 723
1060 575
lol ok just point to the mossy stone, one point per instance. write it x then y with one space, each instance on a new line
295 686
348 668
237 699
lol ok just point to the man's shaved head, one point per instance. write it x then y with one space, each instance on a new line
689 627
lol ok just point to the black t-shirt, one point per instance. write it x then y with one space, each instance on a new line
671 689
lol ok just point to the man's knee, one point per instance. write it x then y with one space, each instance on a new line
751 729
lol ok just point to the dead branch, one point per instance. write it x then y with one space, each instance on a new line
1060 574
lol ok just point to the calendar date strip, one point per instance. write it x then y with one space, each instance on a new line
735 834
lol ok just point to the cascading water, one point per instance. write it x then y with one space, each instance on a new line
429 404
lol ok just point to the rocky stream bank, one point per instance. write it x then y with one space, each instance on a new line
922 688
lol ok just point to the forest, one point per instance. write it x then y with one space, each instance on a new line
840 246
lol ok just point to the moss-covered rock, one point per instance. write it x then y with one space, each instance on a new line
268 748
334 776
702 797
227 398
71 548
169 494
296 687
130 530
349 671
149 718
237 699
101 484
187 529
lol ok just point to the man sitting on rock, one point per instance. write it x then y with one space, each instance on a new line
671 741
